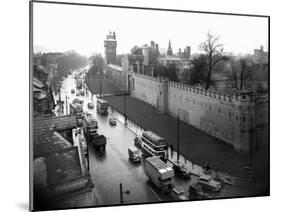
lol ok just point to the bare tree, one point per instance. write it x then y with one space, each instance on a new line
214 52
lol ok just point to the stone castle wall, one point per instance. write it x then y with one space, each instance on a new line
229 118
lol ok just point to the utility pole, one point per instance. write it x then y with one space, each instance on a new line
66 106
125 108
88 155
60 100
121 194
100 87
178 144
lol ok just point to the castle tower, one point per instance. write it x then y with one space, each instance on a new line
110 45
169 51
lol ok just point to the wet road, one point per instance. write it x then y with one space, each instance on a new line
112 167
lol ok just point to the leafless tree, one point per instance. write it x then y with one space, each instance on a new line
214 52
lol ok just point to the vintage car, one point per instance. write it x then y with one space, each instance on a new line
182 172
112 121
207 182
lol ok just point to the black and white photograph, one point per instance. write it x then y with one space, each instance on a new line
136 105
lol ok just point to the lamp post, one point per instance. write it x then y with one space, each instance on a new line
121 194
178 140
125 109
66 106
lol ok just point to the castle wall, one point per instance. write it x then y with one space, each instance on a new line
146 89
117 77
229 118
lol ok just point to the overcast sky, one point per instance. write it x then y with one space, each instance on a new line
84 28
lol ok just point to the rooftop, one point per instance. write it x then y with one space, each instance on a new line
153 135
63 165
158 163
37 83
46 139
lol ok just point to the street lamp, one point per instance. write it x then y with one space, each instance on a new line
125 108
121 194
178 140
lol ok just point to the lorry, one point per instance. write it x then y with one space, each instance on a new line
134 155
77 110
90 127
159 173
99 142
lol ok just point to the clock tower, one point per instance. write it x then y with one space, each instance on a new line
110 45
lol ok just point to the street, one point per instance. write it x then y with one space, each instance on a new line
110 168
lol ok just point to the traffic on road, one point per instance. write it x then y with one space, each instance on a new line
121 153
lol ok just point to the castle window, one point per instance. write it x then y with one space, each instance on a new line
236 118
219 110
229 114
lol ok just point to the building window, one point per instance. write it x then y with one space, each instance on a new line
219 110
236 118
251 119
229 114
244 119
210 107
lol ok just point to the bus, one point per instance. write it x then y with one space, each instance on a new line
153 145
102 106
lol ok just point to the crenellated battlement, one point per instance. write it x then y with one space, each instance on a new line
229 117
236 98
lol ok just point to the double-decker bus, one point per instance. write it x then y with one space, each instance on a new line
102 106
153 145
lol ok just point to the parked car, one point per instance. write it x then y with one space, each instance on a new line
207 182
134 155
196 192
180 171
112 121
91 105
137 141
